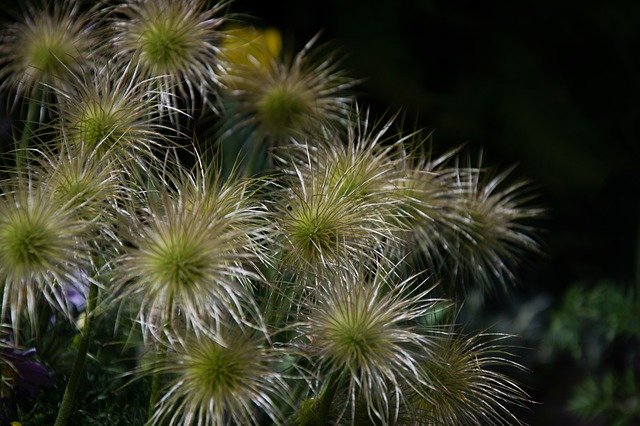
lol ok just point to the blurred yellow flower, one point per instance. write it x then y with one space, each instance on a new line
244 46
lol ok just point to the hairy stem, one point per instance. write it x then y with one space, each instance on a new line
326 399
156 379
156 383
74 380
34 105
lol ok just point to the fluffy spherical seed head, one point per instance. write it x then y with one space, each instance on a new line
193 256
495 232
462 386
321 229
361 328
108 113
230 378
45 47
427 206
87 183
175 41
281 109
42 244
362 164
287 98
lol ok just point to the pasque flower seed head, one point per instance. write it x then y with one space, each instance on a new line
175 42
42 51
221 378
42 244
110 112
359 327
284 99
193 254
465 383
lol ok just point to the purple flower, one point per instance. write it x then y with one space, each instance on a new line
25 375
74 292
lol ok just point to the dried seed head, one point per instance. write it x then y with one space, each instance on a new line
175 42
109 113
222 378
496 231
43 50
287 99
43 244
363 329
194 255
87 183
427 207
340 201
462 386
322 229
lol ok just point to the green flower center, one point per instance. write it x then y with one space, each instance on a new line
27 244
179 265
349 180
354 340
282 110
314 234
99 125
49 55
218 371
164 46
82 193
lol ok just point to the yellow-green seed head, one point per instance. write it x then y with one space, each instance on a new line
193 255
47 47
283 110
42 244
87 184
214 379
286 98
163 43
339 205
174 42
27 244
462 386
108 114
97 125
49 54
495 229
359 326
323 230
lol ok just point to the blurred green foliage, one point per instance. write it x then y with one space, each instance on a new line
590 320
599 328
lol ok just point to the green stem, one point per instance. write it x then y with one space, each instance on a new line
156 382
74 380
156 378
34 105
324 407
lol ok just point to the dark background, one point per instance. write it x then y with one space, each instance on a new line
552 86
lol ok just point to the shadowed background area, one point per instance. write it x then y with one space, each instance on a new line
550 86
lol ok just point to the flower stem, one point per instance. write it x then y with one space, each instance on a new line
156 379
327 397
74 380
34 104
156 382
